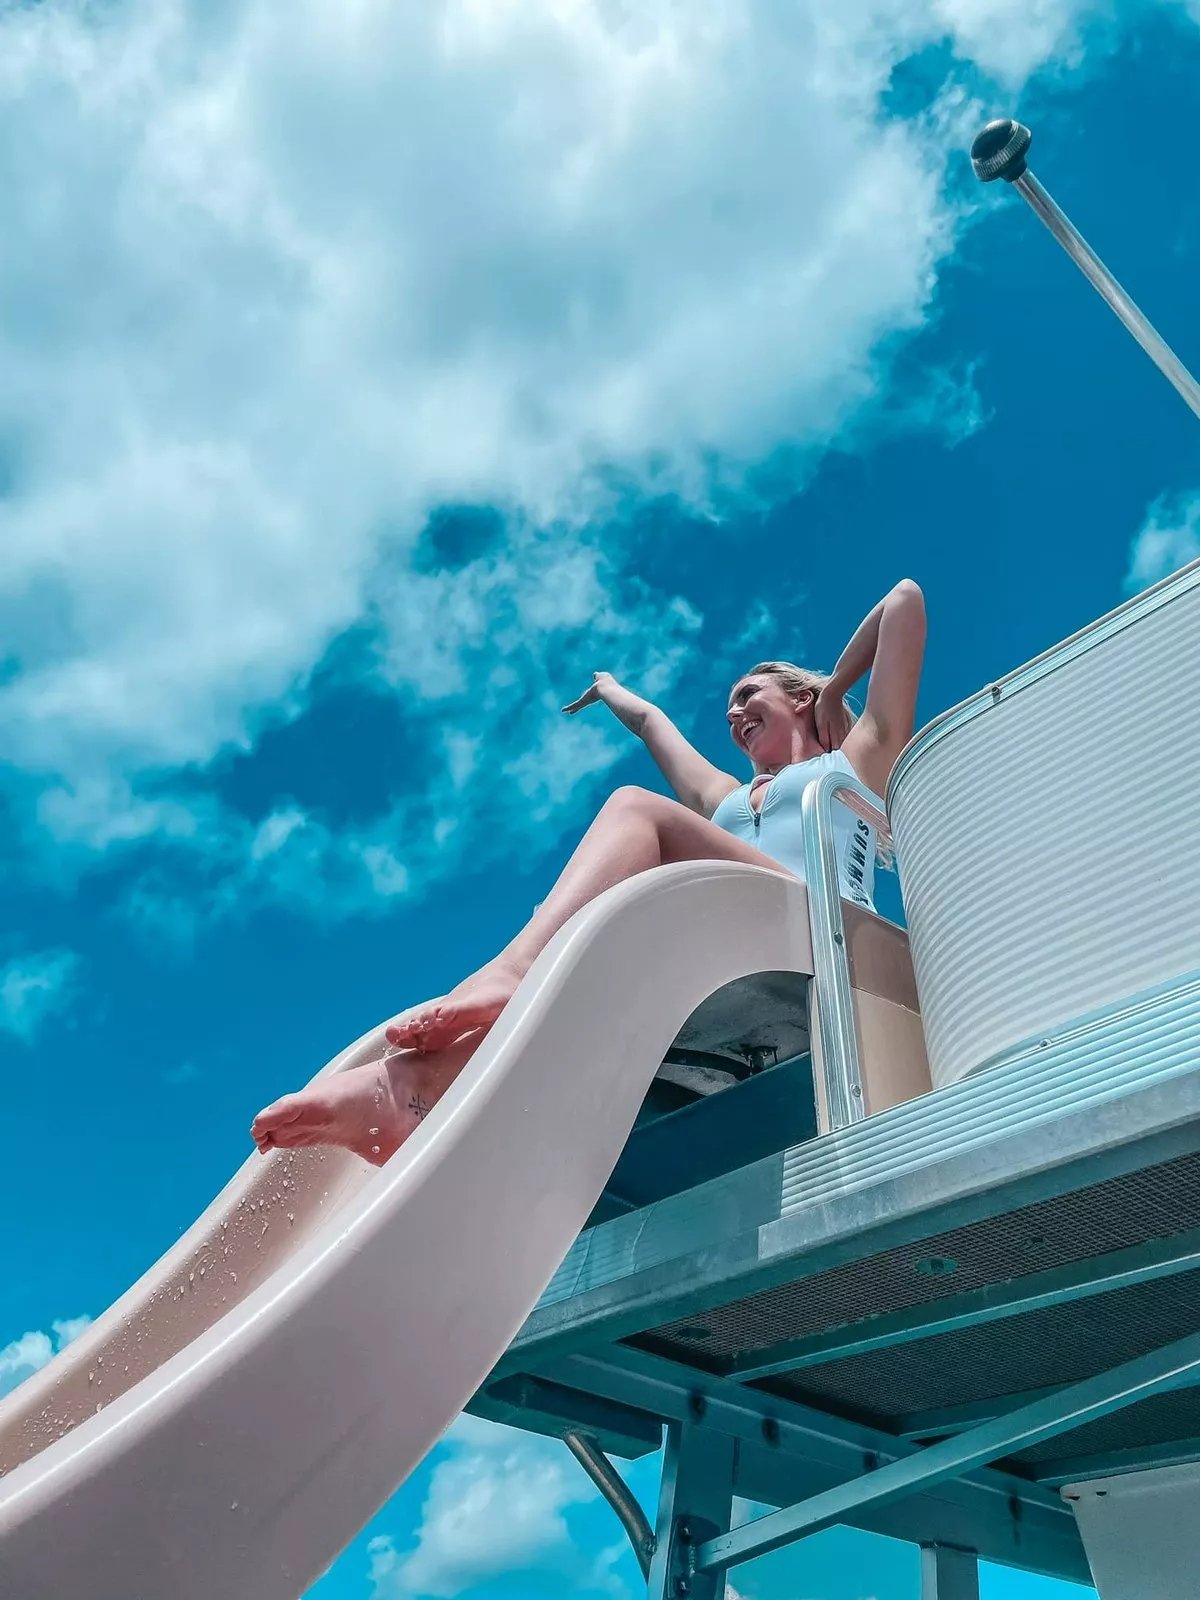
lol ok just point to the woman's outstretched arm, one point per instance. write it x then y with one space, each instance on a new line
696 782
890 645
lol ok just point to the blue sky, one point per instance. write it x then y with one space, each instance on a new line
368 381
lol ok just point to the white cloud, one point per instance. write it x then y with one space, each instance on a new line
1012 38
282 281
34 987
68 1329
497 1507
24 1356
1169 539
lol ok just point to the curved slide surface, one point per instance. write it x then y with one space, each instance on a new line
231 1423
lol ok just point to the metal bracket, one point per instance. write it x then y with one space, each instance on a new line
684 1579
694 1508
617 1492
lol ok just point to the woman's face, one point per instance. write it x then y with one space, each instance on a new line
763 718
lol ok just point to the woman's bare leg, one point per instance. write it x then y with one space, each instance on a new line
373 1109
634 831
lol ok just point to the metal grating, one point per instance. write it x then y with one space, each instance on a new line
1060 1344
1159 1420
1154 1203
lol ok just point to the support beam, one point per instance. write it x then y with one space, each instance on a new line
1044 1419
787 1452
695 1503
922 1425
948 1574
618 1494
1077 1280
1117 1463
919 1425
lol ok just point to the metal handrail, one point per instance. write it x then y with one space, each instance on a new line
618 1494
840 1062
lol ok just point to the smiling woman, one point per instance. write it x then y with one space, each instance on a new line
793 724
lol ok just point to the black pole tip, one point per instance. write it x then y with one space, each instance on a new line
999 151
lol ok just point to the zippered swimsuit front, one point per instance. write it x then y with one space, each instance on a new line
776 828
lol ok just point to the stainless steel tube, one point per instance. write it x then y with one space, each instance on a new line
617 1492
999 152
831 968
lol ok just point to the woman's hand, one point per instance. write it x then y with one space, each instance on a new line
831 717
604 685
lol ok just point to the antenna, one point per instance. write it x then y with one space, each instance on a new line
999 152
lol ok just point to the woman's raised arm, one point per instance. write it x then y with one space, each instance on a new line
890 644
697 783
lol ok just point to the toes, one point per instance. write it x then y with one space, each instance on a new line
413 1033
271 1119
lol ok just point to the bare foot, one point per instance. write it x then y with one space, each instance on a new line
370 1110
474 1003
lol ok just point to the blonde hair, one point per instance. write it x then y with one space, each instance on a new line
804 680
797 680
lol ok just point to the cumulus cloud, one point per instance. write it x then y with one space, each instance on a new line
32 1351
34 987
1169 539
279 285
497 1507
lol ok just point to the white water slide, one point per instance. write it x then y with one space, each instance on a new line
231 1423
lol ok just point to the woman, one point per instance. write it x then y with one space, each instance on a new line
793 724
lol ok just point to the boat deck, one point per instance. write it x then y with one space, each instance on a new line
840 1304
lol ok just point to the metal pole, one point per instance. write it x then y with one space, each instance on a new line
618 1494
840 1062
999 152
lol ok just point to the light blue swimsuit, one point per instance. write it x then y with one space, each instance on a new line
776 829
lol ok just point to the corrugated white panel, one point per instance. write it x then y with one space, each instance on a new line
1049 843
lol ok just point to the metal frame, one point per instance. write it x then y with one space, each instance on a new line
1062 1412
949 1574
789 1450
1080 1111
840 1062
695 1501
1116 1095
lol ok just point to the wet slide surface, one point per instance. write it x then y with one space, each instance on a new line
229 1425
